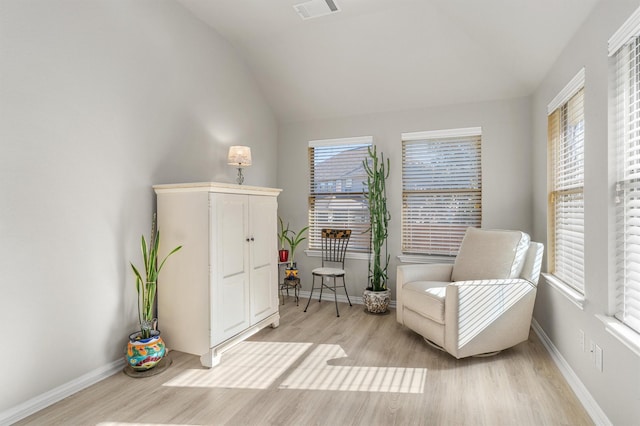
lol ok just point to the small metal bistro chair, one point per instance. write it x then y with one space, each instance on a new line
334 249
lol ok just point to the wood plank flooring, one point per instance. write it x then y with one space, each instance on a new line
520 386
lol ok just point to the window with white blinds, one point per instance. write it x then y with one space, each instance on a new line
441 189
566 185
624 50
336 193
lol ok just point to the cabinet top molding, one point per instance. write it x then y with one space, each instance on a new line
228 188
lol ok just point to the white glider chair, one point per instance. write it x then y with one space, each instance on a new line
481 304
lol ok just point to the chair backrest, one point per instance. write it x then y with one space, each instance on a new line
334 245
490 254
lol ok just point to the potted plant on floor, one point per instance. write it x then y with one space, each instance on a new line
146 348
377 296
283 253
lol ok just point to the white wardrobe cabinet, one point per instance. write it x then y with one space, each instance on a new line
222 286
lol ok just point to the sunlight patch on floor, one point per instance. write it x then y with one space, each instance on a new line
315 373
249 365
257 365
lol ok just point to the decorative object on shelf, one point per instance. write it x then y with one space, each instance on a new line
239 156
377 173
291 272
146 348
294 238
283 253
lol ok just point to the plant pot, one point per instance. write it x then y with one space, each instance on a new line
376 302
283 255
144 354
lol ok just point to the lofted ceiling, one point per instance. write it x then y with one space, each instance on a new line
388 55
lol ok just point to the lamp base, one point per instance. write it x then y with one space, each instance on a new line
240 178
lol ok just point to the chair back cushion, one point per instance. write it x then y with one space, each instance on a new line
490 254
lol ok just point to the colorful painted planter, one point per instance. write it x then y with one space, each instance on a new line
144 354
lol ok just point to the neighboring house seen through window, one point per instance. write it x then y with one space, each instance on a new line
441 189
336 193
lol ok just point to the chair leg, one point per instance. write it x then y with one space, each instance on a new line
321 287
345 290
313 284
335 296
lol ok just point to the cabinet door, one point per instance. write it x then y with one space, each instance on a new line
264 255
230 272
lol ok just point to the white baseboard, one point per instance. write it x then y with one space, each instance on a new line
593 409
42 401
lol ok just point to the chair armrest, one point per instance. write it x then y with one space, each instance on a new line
440 272
473 306
494 282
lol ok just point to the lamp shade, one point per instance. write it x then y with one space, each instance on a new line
239 156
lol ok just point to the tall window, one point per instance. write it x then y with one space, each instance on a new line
624 52
566 185
336 193
441 189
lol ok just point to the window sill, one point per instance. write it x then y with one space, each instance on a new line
424 258
624 334
318 253
570 293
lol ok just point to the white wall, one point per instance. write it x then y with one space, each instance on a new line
506 167
617 387
98 101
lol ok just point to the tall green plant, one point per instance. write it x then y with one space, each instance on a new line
377 173
146 287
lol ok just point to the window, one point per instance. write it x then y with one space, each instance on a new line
441 189
624 52
566 185
336 194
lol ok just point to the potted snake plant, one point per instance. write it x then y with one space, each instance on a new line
377 295
146 348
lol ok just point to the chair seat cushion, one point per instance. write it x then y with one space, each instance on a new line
490 254
328 271
426 298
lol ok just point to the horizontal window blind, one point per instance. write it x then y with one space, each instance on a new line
625 69
441 192
566 200
336 193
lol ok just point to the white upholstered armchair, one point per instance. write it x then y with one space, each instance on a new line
482 303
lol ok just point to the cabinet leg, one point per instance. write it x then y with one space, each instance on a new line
275 323
210 359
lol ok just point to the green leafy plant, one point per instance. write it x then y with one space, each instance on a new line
282 235
146 285
377 173
295 238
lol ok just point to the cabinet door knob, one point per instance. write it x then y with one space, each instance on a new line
247 239
252 239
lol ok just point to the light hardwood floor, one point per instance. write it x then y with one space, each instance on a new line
520 386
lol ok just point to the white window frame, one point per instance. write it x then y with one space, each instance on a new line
348 188
434 249
624 70
567 276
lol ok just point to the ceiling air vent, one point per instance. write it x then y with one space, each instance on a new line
316 8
